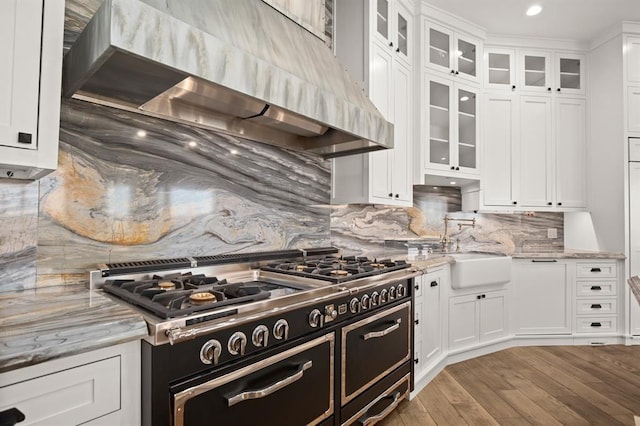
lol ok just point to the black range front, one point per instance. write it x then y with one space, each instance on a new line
336 361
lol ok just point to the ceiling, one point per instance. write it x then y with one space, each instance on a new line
577 20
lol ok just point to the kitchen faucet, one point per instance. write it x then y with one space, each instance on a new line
445 240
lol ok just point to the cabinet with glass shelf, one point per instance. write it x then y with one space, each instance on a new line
451 52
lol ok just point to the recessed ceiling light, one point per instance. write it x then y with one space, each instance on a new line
453 182
534 10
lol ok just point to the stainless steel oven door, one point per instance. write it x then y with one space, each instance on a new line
294 387
373 347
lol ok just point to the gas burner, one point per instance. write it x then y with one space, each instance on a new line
339 272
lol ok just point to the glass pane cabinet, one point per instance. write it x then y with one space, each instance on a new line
500 69
466 129
382 14
439 123
403 35
452 53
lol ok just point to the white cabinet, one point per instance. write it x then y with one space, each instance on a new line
31 33
451 52
530 70
634 235
477 318
596 299
633 109
383 177
542 297
451 127
534 152
428 328
99 387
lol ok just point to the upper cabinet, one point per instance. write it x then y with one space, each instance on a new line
632 52
451 52
31 33
385 68
534 71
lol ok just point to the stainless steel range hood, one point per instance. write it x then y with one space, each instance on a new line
238 66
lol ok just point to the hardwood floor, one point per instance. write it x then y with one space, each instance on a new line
551 385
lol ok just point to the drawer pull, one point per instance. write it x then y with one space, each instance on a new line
261 393
596 288
434 283
11 416
395 399
596 324
376 334
544 261
596 306
596 270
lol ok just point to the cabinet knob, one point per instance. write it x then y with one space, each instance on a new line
453 71
515 202
513 87
453 168
397 195
549 203
548 89
559 204
417 322
397 49
479 296
416 360
24 137
391 43
390 194
457 168
484 296
457 72
558 89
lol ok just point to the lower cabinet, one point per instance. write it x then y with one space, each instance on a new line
477 318
101 387
542 297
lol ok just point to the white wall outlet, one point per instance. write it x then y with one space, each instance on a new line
552 233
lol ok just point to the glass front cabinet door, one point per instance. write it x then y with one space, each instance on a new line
451 53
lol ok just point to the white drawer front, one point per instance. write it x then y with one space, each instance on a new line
596 269
596 288
71 396
595 306
596 325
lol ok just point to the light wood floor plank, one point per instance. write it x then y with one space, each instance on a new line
573 385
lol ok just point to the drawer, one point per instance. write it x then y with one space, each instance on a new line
596 288
596 325
596 306
596 269
72 396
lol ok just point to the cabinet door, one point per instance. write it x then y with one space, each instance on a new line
463 322
20 29
535 152
569 74
570 151
542 298
466 146
499 142
466 57
404 34
432 325
441 102
634 316
383 21
534 71
633 108
439 44
493 316
418 334
500 69
401 178
633 59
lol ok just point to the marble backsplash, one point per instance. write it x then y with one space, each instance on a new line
376 230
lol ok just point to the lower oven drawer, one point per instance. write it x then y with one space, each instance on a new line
380 407
373 347
294 387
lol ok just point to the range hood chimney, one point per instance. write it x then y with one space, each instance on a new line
239 67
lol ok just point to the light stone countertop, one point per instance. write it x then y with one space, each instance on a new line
53 322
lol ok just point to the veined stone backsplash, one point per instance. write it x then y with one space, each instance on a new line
367 229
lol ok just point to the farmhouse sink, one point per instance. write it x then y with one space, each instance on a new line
479 269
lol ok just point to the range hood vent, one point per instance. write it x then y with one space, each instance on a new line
239 67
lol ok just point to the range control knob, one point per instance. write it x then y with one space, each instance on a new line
330 312
260 336
392 293
375 298
384 295
354 305
401 290
237 343
315 318
365 302
281 329
210 352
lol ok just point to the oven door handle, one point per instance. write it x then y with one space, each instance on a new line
395 401
375 334
261 393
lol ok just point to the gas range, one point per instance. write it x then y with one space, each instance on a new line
233 336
